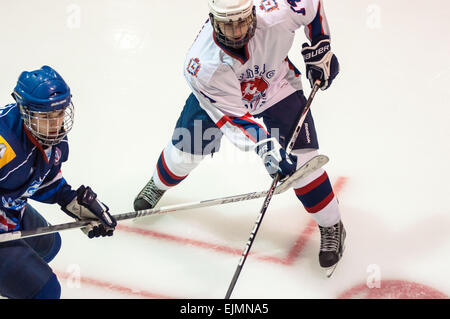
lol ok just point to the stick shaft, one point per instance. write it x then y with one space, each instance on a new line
250 241
162 210
270 194
302 118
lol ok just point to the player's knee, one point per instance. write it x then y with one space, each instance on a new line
54 249
180 162
304 155
51 290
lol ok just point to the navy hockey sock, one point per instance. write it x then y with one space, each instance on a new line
51 290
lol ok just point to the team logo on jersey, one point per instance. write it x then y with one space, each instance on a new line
253 87
269 5
194 66
17 204
6 152
58 155
254 84
297 7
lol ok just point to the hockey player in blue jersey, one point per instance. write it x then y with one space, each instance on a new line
238 70
33 146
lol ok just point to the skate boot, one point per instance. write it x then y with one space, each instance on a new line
331 247
148 197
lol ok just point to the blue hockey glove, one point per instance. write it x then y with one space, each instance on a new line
275 158
86 206
321 63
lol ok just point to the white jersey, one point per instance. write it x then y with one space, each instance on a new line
232 87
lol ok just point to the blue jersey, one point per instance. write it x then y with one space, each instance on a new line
27 170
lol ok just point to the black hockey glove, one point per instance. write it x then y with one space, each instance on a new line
321 63
275 158
86 206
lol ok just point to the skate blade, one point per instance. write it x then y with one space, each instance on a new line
330 270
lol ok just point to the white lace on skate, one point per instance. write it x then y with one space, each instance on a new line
329 238
332 240
150 193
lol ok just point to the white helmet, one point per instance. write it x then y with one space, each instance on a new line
230 10
233 14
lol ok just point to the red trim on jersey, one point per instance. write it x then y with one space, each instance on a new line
246 133
321 22
223 47
292 67
226 119
4 221
321 18
35 142
248 117
222 121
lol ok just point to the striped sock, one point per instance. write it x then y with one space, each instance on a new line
320 201
164 177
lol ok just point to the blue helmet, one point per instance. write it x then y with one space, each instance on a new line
45 104
43 90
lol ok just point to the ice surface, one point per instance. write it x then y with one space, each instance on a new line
383 123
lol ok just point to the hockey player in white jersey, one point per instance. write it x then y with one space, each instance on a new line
238 70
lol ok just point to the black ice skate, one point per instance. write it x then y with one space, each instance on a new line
331 247
148 197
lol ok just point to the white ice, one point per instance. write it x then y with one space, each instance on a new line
383 123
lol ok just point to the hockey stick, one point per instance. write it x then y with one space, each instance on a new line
309 167
271 192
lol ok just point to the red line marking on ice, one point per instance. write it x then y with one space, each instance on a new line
393 289
117 288
292 255
181 240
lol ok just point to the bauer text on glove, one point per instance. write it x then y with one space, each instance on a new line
321 63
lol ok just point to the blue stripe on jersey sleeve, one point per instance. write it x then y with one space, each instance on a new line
316 26
48 195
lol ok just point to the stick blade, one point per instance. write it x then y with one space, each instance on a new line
310 166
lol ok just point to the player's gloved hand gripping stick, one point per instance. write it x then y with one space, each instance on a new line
321 63
275 158
86 206
271 191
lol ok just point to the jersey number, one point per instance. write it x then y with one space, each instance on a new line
293 4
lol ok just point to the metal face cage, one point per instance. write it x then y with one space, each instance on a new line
49 128
234 34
